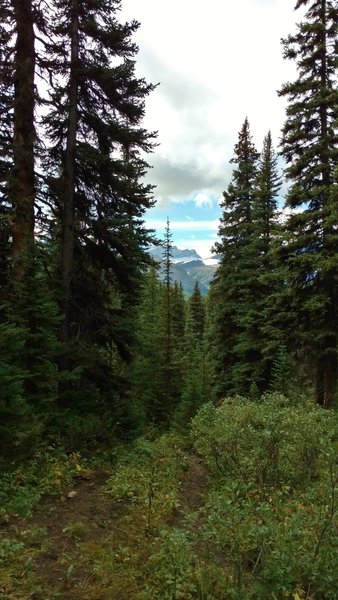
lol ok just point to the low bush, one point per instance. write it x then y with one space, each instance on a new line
273 504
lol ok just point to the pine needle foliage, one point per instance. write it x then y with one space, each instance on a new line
309 147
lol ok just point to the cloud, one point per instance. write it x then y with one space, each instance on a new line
214 66
181 91
199 235
182 182
187 226
203 200
202 246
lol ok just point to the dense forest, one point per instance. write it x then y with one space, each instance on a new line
104 358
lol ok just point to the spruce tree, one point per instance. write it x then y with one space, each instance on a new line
266 304
27 310
157 374
167 273
147 375
95 174
309 147
178 318
22 181
233 286
170 382
6 139
265 210
196 380
196 311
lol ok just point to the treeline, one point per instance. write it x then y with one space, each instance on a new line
275 298
91 342
170 373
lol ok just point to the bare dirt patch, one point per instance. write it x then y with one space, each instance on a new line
60 526
193 488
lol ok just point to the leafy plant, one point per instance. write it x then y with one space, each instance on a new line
273 505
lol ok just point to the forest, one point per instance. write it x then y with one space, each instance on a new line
154 444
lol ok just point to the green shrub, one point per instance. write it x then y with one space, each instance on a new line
147 478
269 443
48 473
273 504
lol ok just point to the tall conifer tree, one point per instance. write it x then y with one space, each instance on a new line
168 342
195 385
95 140
232 288
147 374
265 211
6 139
177 315
309 146
196 310
267 231
22 185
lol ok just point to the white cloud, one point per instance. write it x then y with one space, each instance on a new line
203 200
198 226
181 182
202 247
216 64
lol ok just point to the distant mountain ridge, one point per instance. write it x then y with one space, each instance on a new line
188 267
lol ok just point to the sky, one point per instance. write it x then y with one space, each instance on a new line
216 62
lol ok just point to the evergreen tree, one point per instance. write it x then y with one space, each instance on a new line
167 273
6 139
147 375
95 172
177 313
15 415
157 375
309 147
22 181
196 380
266 304
159 365
233 286
178 320
85 252
27 311
195 388
265 212
196 311
281 372
168 365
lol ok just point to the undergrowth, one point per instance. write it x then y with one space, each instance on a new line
265 528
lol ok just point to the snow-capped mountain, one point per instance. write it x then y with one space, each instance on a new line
188 267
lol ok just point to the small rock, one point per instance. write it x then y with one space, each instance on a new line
72 494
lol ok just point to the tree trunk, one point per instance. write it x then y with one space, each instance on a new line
67 257
68 213
22 181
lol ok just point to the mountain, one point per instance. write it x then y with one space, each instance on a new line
188 267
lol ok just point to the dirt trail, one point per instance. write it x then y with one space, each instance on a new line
90 506
65 528
194 486
87 515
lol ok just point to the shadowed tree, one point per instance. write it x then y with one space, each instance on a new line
22 188
96 169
